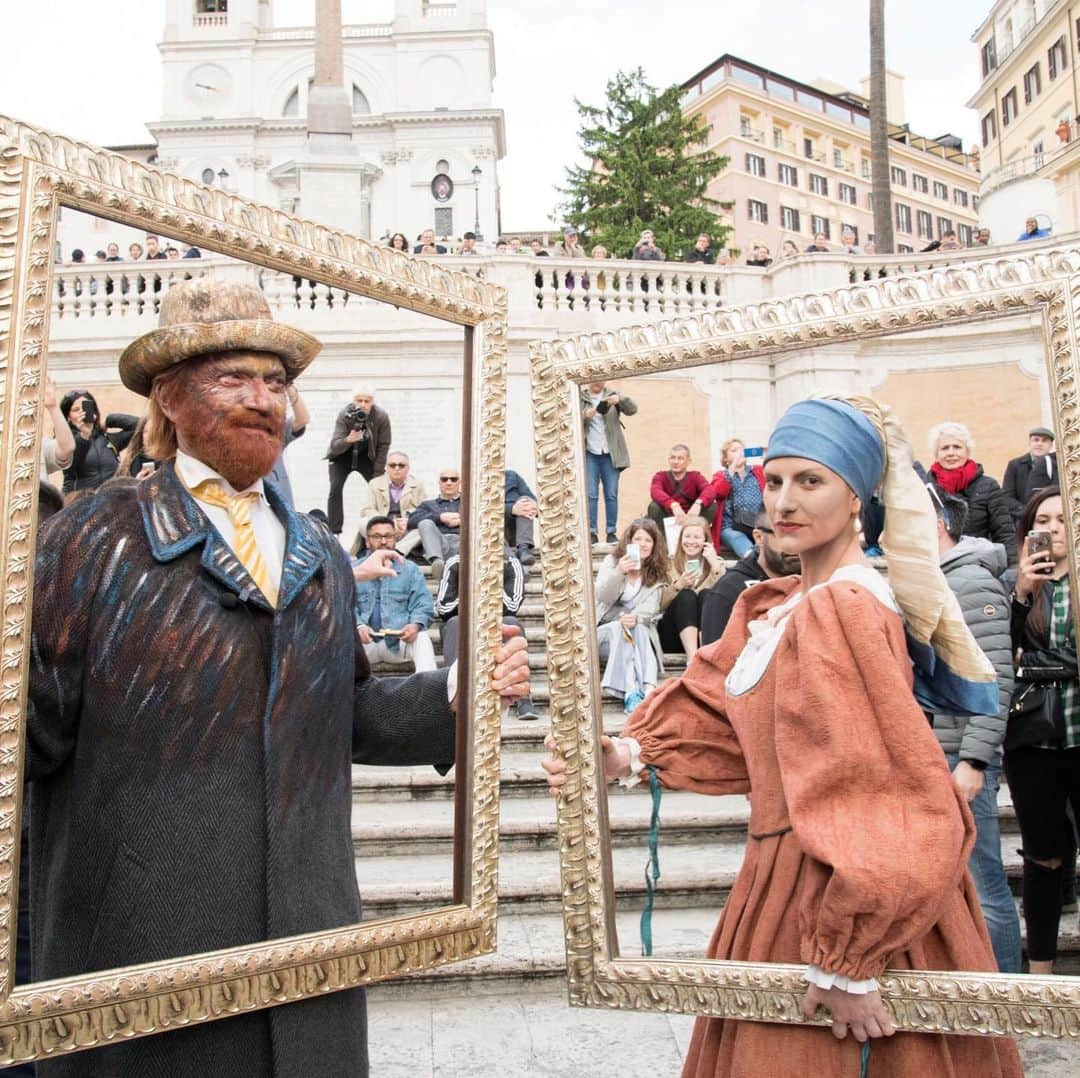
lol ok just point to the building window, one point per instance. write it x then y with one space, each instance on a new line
757 211
847 193
920 183
808 147
964 234
974 202
941 190
1009 108
898 176
208 177
744 126
789 219
1055 58
989 128
989 57
925 224
904 249
788 174
207 7
837 158
755 164
1032 84
444 221
943 225
778 138
819 185
960 197
819 224
864 168
903 217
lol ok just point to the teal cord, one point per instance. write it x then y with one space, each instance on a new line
864 1068
652 869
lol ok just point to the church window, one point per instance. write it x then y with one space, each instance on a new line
360 104
206 7
292 104
208 176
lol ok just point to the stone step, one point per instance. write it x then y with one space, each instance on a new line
427 827
694 875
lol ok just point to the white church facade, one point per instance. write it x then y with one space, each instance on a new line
426 139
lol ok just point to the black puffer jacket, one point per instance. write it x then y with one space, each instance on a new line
95 458
989 516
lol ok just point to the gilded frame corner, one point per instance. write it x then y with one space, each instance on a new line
1048 284
40 172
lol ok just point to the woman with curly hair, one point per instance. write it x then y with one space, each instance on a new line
629 586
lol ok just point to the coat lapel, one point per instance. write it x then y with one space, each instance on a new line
304 553
174 524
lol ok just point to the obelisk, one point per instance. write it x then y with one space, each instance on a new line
333 179
329 103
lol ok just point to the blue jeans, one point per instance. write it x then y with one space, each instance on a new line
733 538
987 871
599 469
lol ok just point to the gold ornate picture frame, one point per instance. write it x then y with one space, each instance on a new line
1046 285
41 172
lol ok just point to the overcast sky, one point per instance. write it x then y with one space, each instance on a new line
70 67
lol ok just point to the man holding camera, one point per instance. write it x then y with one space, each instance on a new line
360 443
605 452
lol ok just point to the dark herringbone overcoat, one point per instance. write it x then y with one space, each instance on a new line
190 762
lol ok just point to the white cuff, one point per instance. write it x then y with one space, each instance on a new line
818 977
636 764
451 683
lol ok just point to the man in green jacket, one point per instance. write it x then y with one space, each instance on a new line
605 452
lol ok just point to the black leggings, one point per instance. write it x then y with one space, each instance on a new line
1043 782
684 612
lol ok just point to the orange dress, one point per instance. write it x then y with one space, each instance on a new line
858 840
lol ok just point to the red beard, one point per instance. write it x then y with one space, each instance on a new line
240 448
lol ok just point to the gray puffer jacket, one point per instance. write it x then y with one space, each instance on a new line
973 569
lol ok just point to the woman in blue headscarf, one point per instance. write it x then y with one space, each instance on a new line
813 700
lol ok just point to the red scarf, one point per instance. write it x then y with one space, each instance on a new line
954 480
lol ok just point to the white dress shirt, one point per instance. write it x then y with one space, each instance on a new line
269 531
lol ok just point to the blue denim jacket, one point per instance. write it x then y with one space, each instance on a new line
405 599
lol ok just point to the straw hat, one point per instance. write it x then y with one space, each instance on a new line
203 316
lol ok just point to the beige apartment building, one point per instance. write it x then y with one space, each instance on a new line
800 162
1028 103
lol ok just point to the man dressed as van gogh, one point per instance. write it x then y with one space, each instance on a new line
197 697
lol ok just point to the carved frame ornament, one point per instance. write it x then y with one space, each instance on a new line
39 173
1047 284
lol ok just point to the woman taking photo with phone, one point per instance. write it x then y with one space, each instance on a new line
1042 740
629 586
697 567
812 701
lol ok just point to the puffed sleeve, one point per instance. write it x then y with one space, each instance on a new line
870 797
683 730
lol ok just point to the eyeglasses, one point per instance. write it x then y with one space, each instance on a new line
394 464
449 478
380 535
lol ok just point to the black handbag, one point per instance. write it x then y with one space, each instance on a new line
1035 711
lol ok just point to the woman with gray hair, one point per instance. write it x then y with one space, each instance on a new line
955 472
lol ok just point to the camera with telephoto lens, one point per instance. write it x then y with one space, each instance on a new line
355 417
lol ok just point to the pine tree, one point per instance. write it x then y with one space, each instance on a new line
648 168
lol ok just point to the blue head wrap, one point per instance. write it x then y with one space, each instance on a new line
835 434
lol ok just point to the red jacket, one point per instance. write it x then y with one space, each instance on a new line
694 486
722 486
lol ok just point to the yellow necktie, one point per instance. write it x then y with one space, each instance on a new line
238 506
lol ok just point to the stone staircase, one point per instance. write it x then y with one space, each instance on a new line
403 837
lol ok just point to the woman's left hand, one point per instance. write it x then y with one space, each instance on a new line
862 1016
628 621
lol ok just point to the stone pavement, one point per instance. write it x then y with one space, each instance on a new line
539 1036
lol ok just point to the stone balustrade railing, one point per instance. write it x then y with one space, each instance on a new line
546 295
